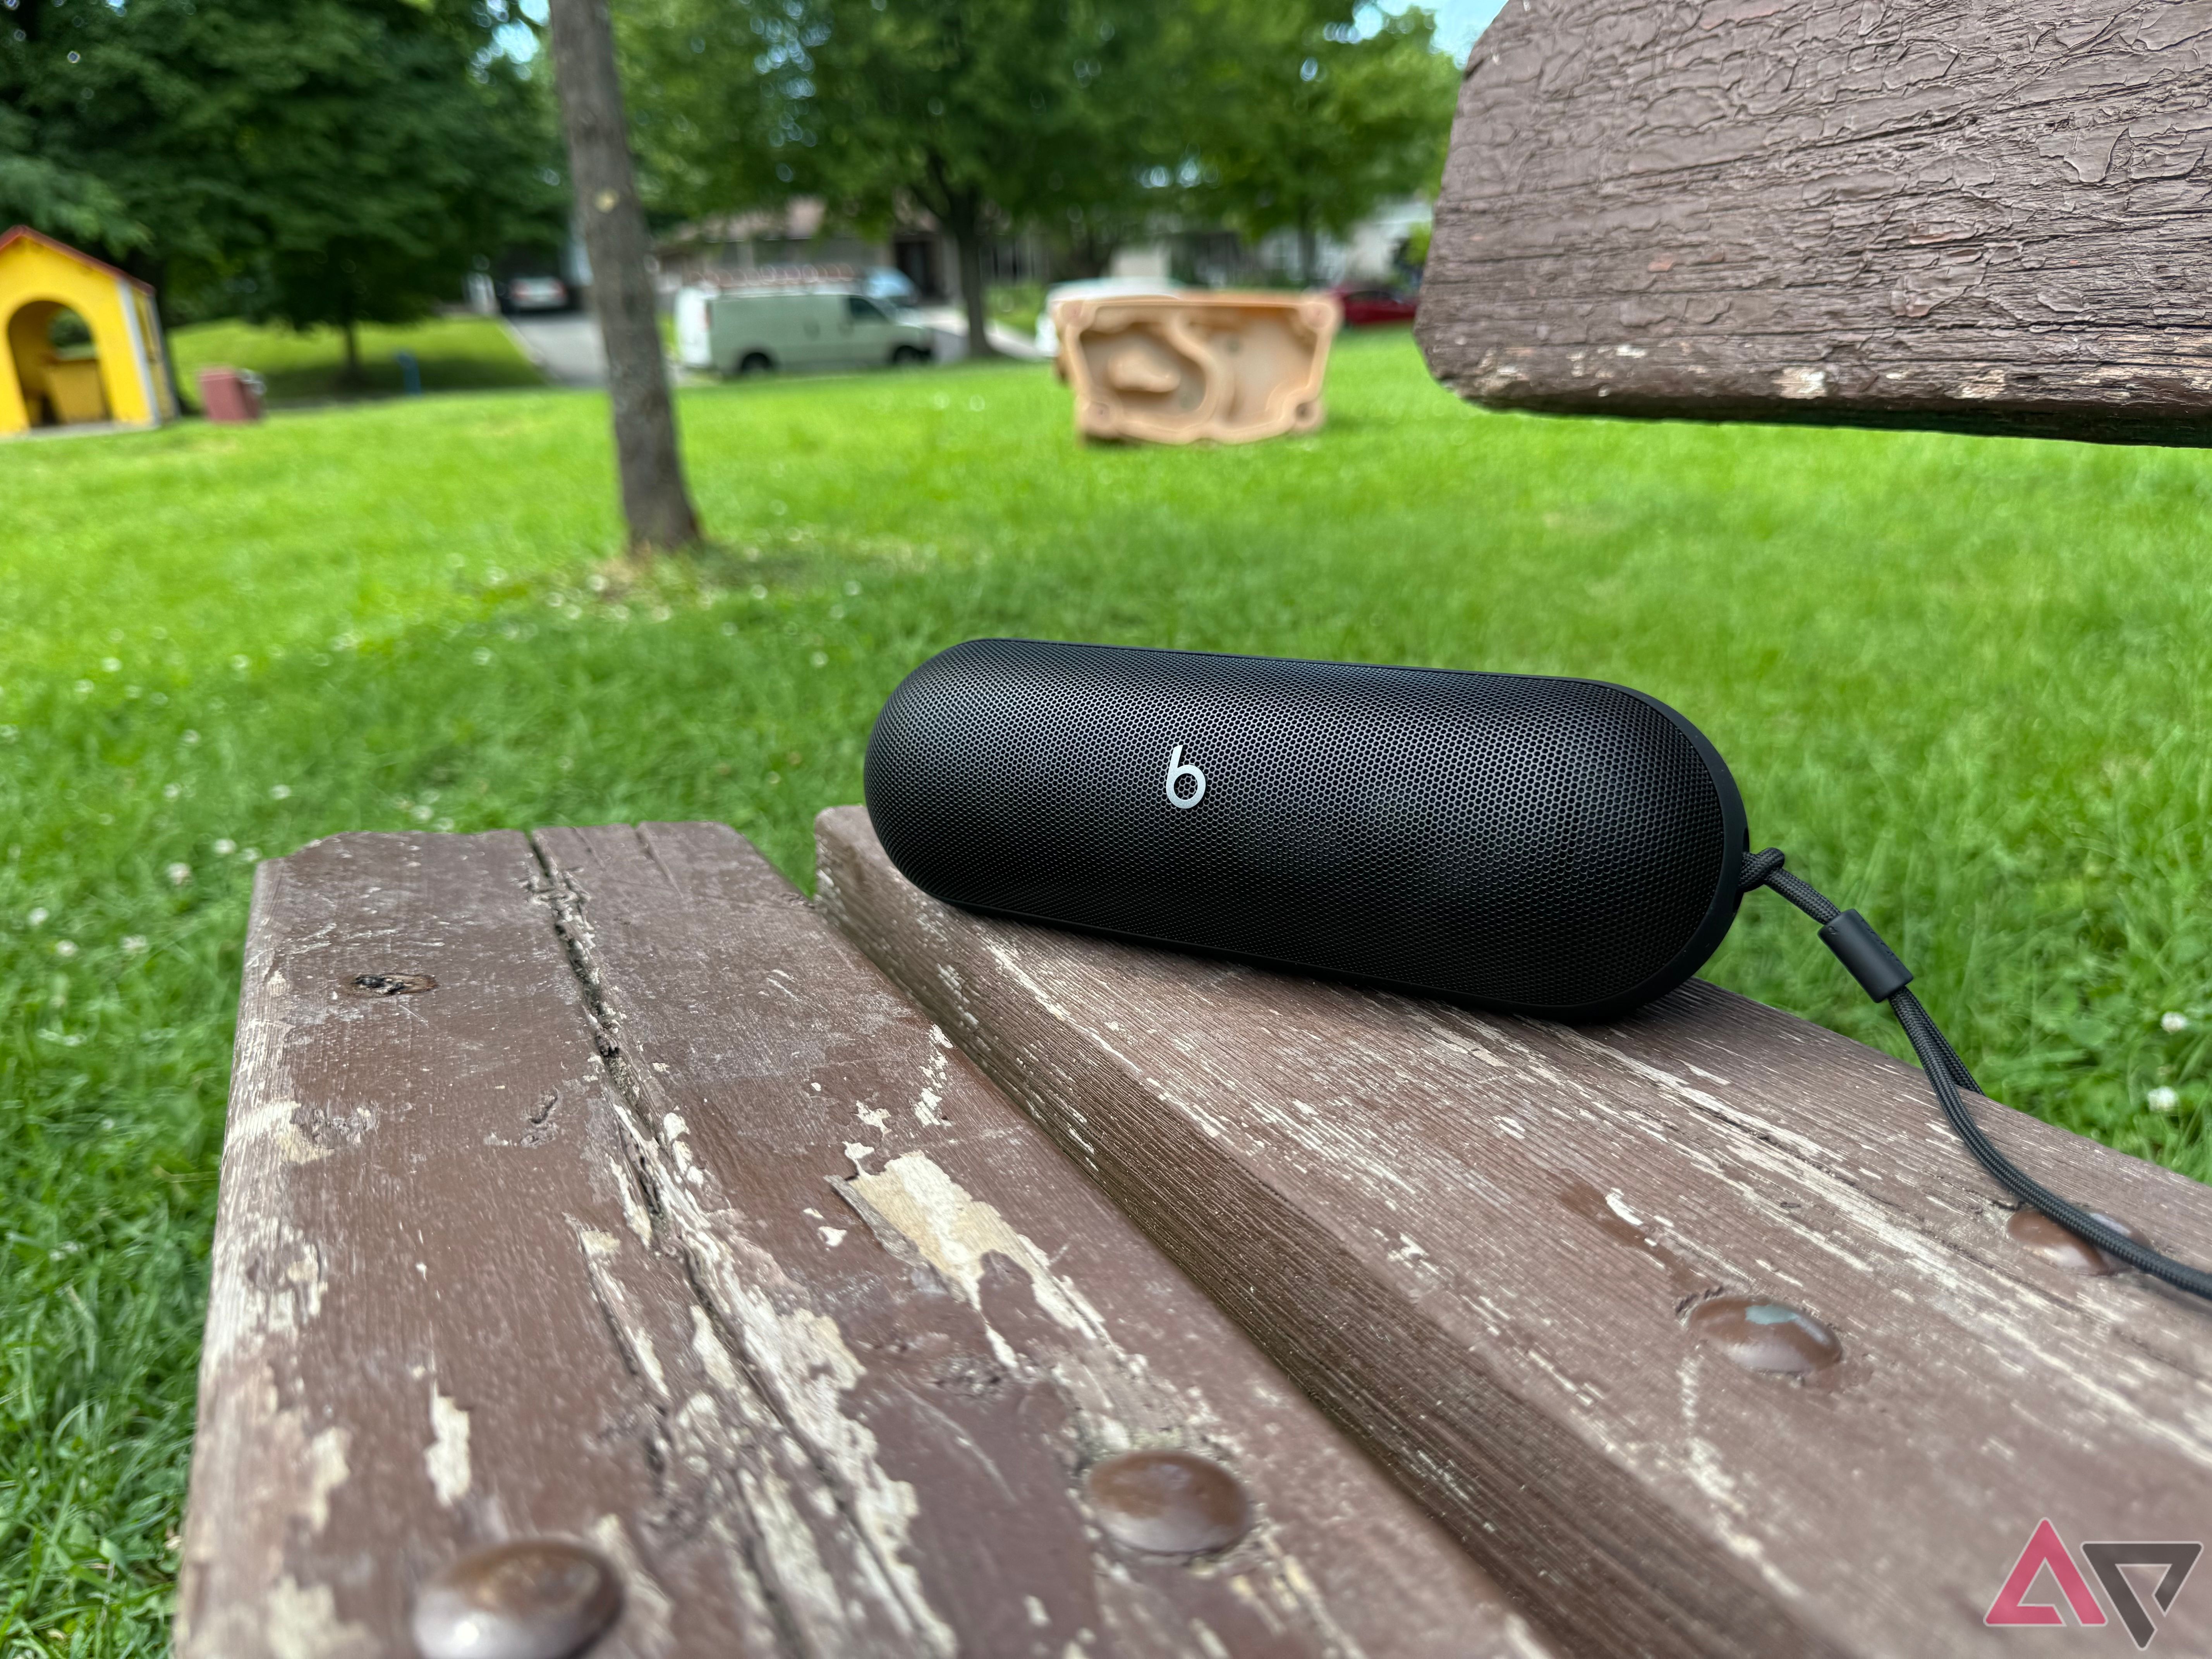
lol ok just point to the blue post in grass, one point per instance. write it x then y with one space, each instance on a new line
410 373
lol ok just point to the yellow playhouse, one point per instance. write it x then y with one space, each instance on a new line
79 342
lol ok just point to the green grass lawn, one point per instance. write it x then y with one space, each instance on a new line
457 354
1963 681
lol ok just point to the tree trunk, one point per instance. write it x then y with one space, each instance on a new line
967 237
656 504
351 377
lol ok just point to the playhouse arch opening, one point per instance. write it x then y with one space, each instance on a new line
80 341
56 360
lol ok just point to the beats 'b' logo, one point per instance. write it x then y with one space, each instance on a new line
1178 769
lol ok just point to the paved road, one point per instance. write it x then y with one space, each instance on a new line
949 325
566 345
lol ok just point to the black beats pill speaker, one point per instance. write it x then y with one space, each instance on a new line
1552 847
1559 847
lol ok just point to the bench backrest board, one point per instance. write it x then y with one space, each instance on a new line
1953 214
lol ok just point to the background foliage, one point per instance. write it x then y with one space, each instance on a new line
1302 120
1095 122
309 160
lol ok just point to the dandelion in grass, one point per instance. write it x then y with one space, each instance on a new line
481 656
241 664
2162 1099
226 847
820 659
38 916
65 948
134 945
280 792
179 874
170 791
252 855
111 664
84 688
189 736
2174 1022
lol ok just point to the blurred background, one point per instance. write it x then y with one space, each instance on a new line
1962 679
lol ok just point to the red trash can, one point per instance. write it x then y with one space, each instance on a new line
230 394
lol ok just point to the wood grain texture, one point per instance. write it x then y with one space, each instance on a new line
774 1298
1953 214
406 1353
1475 1241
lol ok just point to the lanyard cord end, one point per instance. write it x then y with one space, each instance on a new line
1884 978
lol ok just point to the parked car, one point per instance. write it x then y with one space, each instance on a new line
538 293
1365 306
752 332
1048 334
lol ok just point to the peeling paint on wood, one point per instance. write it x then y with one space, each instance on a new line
1476 1240
664 1222
404 1360
1951 214
950 1317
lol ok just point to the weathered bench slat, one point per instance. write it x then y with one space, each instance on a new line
1004 1327
406 1351
1950 213
776 1299
1475 1240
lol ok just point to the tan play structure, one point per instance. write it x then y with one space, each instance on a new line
117 378
1229 368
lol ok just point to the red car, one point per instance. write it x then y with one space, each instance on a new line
1363 305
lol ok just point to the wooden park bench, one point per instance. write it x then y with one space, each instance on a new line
614 1245
594 1187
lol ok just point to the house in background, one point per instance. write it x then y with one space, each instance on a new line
1211 257
718 252
80 341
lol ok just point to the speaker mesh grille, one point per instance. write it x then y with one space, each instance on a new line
1525 842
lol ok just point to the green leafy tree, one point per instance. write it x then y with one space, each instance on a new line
309 160
1304 119
988 114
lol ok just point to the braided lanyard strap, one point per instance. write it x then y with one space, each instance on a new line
1859 949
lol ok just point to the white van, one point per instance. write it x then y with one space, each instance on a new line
755 331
